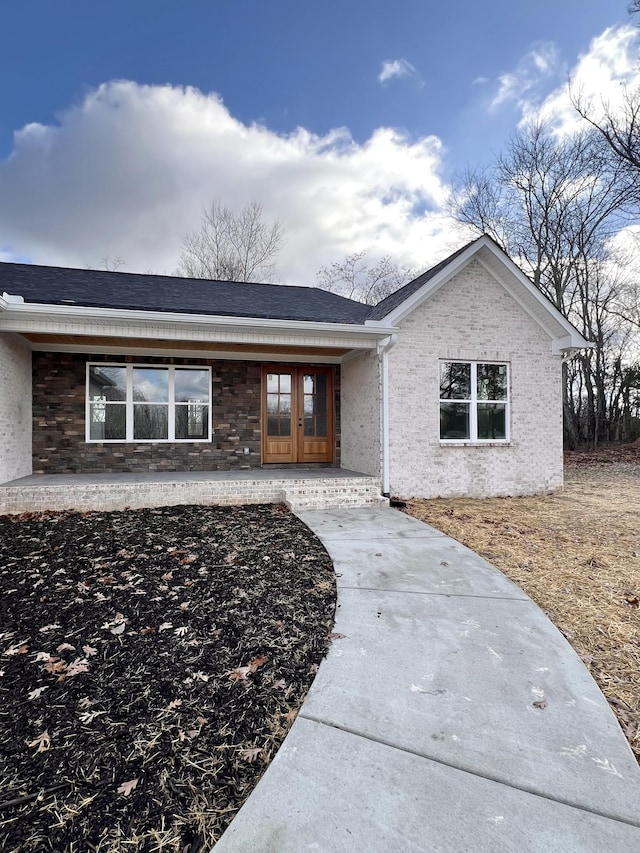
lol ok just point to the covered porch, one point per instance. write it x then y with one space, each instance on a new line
298 488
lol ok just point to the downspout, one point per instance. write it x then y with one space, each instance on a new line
383 353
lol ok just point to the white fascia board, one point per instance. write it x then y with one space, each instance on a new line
92 315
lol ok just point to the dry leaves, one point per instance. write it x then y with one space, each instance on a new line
127 787
241 673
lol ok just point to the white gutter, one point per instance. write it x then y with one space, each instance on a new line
82 312
383 353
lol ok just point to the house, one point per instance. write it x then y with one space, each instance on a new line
450 386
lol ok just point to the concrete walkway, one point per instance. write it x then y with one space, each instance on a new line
452 716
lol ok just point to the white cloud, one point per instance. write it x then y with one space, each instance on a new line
396 68
127 172
598 79
525 82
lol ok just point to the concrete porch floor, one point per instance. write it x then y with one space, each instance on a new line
299 488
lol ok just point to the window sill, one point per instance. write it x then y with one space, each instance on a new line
148 441
454 443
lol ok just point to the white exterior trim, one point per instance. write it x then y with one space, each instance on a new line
129 404
383 352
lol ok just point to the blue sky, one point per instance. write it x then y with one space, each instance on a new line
347 120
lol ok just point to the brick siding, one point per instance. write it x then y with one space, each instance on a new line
473 318
59 445
361 446
15 408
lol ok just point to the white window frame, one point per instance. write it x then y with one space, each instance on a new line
473 402
129 405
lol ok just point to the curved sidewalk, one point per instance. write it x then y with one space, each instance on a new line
452 716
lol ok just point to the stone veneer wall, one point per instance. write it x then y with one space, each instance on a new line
15 407
472 318
59 446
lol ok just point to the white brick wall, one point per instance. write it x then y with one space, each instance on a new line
473 318
15 407
317 493
360 414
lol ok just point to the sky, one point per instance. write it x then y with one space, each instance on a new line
349 121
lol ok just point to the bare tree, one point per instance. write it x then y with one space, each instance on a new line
553 204
357 279
232 246
618 126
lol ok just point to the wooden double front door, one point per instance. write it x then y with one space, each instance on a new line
297 414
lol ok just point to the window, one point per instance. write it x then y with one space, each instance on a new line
148 403
474 401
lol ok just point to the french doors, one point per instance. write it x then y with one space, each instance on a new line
297 414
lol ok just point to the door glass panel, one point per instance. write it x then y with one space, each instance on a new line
308 404
285 425
272 403
309 426
285 383
285 403
273 425
308 384
321 425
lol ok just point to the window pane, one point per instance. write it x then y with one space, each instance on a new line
321 425
455 380
151 384
272 383
273 424
107 382
150 422
309 426
492 421
272 404
192 386
492 381
192 421
107 422
454 420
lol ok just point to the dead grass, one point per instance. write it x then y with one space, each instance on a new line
577 555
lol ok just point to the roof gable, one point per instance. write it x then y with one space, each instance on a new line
497 263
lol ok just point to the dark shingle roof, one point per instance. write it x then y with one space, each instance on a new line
380 311
145 292
102 289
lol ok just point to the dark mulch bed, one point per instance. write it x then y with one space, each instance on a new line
151 663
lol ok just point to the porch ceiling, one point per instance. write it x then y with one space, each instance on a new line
221 349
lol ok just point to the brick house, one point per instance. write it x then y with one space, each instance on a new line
450 386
